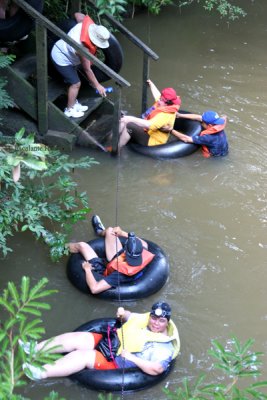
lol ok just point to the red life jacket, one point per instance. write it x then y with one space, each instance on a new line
84 38
210 131
173 108
119 264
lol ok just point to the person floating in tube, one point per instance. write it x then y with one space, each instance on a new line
122 263
150 342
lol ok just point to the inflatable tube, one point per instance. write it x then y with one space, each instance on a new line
174 148
113 55
111 381
153 277
15 27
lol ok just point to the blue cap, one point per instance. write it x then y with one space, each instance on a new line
212 118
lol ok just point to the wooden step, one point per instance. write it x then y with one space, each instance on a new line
25 66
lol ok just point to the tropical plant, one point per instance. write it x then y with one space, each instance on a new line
237 362
113 7
22 308
45 200
5 100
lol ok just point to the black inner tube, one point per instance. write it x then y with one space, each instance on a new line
19 25
174 148
153 276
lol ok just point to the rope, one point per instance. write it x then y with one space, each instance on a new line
118 168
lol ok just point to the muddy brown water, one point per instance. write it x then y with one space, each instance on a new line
209 216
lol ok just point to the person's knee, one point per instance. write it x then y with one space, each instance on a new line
76 85
109 231
82 246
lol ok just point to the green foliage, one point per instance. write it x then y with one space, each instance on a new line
235 362
56 10
224 7
22 308
108 396
5 100
113 7
45 201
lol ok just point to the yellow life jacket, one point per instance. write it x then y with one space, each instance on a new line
136 334
84 38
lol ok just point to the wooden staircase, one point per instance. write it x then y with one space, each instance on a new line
21 77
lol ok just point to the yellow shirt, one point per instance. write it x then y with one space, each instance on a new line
156 136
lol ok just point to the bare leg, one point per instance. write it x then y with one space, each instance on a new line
73 94
112 244
3 6
68 342
81 247
124 135
69 364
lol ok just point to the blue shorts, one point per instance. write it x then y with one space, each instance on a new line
69 73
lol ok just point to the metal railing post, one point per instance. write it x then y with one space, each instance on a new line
145 78
116 120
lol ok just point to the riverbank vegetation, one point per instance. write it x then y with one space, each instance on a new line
120 9
38 192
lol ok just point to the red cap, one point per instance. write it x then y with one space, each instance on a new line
170 94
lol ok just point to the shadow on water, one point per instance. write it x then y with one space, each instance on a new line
209 216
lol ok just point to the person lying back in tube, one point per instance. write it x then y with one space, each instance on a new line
122 263
150 342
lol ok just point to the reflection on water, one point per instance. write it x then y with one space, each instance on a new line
209 216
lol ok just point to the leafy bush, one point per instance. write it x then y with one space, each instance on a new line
45 200
23 310
5 100
236 362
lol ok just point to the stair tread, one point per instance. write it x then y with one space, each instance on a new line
92 103
25 66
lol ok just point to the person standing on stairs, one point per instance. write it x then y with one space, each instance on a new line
66 60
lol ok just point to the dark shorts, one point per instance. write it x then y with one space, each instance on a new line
137 133
69 73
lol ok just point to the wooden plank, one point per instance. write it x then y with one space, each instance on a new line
42 77
21 91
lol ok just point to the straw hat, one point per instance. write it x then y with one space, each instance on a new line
99 35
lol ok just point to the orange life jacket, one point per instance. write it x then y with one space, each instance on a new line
173 108
84 38
211 129
120 264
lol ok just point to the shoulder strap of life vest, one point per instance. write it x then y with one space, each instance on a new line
84 38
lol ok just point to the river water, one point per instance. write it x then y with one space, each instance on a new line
209 215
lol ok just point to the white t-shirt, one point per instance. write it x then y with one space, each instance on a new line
62 53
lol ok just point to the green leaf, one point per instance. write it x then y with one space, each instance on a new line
14 293
19 135
34 164
25 285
